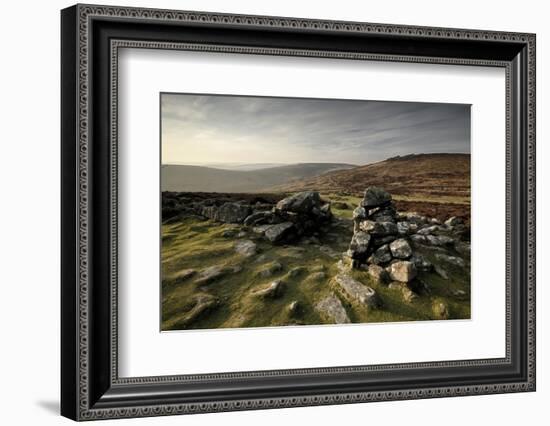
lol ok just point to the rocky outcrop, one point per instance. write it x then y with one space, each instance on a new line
375 226
183 275
213 273
385 241
400 249
201 304
292 217
227 213
270 269
375 197
385 237
378 274
298 215
272 290
403 271
354 291
245 248
285 231
332 310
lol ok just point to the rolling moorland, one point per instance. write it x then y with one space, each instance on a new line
184 178
302 252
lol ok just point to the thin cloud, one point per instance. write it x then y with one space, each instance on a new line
236 129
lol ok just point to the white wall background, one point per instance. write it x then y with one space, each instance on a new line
29 225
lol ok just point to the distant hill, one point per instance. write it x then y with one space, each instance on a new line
238 166
185 178
420 175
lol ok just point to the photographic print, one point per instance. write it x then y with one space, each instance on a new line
298 211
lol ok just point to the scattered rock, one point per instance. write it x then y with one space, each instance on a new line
418 239
260 229
378 274
428 230
396 285
359 244
245 248
453 221
344 265
435 249
402 270
405 228
228 212
302 202
273 290
234 269
439 240
311 241
378 228
201 304
463 248
332 310
358 215
317 276
380 241
318 267
440 310
419 286
414 217
421 263
446 240
293 252
296 271
453 260
340 205
381 255
280 232
183 275
261 258
294 308
329 251
211 273
257 218
375 197
441 272
408 295
401 249
354 291
459 293
270 269
229 233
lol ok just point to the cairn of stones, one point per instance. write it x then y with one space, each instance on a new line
383 241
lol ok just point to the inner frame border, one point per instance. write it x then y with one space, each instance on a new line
116 45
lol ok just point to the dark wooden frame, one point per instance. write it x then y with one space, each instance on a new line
90 386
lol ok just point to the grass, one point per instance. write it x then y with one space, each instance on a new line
196 244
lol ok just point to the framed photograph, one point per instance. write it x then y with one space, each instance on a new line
263 212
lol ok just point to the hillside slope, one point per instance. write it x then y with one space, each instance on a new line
421 176
183 178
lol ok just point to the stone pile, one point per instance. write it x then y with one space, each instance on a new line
383 241
292 217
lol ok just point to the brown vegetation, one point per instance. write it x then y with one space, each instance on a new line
425 176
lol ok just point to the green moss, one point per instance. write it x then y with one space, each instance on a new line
195 244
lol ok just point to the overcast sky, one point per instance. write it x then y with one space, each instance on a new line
202 129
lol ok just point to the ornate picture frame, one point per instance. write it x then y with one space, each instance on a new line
91 37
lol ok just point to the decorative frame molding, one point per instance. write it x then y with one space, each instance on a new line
91 37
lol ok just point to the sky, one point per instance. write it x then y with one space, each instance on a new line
207 129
